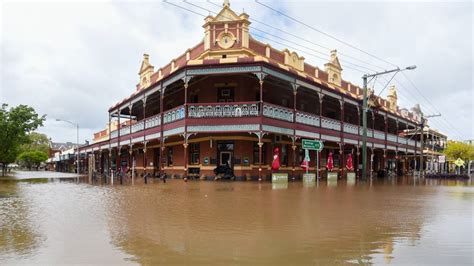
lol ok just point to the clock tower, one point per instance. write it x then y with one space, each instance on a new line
226 35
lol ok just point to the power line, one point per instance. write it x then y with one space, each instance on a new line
305 40
350 45
430 106
305 47
263 37
324 33
273 35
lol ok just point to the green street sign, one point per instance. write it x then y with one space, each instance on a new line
310 144
459 162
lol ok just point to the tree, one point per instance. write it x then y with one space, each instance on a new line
32 159
36 142
456 149
15 125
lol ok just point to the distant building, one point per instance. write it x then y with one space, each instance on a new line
470 142
62 156
434 143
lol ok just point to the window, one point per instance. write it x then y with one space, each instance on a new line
284 155
194 153
225 94
169 156
255 153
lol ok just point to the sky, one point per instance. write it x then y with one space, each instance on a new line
72 60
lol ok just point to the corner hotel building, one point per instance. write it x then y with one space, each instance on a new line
232 99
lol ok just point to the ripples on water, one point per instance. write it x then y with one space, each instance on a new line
400 221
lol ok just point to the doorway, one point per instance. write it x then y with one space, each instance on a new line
225 154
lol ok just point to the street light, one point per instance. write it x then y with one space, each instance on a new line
364 113
77 135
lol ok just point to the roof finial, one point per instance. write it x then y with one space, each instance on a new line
226 3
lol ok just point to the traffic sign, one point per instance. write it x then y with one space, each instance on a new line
459 162
310 144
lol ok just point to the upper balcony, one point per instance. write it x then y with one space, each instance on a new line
238 113
233 103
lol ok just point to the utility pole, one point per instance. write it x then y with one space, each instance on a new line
364 114
364 130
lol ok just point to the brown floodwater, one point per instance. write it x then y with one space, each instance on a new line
398 221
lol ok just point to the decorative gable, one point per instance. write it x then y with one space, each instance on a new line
294 60
334 69
225 31
146 70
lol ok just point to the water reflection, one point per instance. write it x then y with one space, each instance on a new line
378 221
18 234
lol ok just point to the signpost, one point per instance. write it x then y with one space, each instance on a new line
314 145
459 162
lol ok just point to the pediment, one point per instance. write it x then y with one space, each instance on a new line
226 14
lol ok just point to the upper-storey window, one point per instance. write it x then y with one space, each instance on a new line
225 94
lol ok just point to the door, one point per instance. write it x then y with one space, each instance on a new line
225 156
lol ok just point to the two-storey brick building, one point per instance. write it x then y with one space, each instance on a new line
231 99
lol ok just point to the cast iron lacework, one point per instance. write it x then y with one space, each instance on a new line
278 112
222 110
308 119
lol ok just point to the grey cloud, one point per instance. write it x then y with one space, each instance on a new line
75 60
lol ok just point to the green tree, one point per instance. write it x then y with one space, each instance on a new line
36 142
15 125
32 159
456 149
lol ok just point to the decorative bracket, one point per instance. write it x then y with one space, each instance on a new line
261 76
259 135
186 80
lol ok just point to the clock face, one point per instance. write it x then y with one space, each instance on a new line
226 40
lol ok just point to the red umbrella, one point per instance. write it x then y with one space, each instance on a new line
276 159
349 165
330 163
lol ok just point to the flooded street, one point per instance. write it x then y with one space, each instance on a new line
395 221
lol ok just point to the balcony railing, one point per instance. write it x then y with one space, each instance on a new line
350 128
331 124
153 121
218 110
174 115
379 134
308 119
277 112
252 109
137 126
392 138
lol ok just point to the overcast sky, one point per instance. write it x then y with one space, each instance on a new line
74 59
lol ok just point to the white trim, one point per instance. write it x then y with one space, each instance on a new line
331 94
173 131
223 128
350 141
307 134
152 136
136 140
351 102
330 138
279 130
381 146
